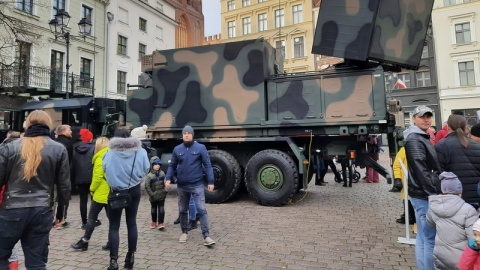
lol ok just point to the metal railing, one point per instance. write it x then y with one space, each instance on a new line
22 78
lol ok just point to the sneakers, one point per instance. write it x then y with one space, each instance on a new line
208 241
80 245
153 225
13 265
98 223
183 238
60 224
161 227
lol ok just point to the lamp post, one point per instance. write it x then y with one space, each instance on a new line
58 26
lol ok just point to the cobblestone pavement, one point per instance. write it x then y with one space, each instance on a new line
327 227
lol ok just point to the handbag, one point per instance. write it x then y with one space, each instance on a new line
120 199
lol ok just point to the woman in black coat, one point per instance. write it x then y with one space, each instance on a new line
460 154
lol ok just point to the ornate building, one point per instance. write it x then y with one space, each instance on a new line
189 16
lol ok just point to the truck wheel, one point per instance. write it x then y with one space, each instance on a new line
271 177
227 175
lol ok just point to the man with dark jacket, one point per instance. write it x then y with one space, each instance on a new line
189 161
423 170
63 135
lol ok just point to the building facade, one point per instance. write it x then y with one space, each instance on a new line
133 29
286 24
456 30
188 14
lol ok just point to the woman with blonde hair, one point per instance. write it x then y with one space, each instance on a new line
99 190
29 169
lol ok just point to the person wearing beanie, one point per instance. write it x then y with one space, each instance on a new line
189 162
453 220
475 132
139 132
81 170
155 188
470 259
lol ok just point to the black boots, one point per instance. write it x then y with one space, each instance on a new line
106 246
129 260
177 221
80 245
192 225
113 264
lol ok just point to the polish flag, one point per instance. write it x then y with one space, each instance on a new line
400 84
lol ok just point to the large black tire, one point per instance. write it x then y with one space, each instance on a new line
271 177
227 175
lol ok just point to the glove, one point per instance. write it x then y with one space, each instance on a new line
472 244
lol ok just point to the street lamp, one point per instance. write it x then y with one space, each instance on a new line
58 26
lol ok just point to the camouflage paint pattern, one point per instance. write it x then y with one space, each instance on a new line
387 31
230 90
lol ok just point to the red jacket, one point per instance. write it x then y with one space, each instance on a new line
1 193
441 134
470 260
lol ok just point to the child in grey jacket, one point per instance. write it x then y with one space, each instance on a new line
155 187
453 218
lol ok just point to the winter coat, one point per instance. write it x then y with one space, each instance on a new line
453 219
463 162
68 143
38 192
81 171
189 164
441 134
118 162
423 166
470 260
155 183
99 187
397 168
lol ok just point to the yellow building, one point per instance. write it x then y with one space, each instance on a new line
286 24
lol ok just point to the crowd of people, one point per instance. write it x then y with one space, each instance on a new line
39 171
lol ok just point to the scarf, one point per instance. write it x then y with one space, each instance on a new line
37 130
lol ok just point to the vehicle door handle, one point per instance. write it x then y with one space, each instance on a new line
287 118
337 116
360 115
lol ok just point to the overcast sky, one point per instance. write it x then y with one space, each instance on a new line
211 13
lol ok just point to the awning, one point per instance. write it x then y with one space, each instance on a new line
57 104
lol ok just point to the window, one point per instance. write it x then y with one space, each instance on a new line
247 26
142 48
245 3
85 67
122 45
25 5
261 1
231 29
297 13
467 73
159 6
230 5
469 114
56 65
87 14
280 47
423 78
159 33
405 77
279 18
462 33
449 2
262 22
121 82
123 15
22 60
142 24
57 5
298 50
425 51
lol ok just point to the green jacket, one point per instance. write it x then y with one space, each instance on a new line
99 187
155 184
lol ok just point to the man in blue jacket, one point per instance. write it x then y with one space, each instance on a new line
189 160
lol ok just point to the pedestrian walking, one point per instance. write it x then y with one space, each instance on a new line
64 136
99 189
155 187
423 170
125 164
29 169
189 162
453 219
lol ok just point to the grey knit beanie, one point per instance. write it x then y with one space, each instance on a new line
450 183
188 129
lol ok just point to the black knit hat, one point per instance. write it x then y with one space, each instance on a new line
475 130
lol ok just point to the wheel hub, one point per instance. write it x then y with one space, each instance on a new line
270 177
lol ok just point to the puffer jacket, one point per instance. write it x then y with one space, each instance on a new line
470 260
453 218
81 171
99 186
155 183
463 162
423 166
54 169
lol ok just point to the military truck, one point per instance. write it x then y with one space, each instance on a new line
271 130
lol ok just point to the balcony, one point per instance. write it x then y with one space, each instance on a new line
38 80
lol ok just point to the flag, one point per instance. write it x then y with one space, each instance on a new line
400 84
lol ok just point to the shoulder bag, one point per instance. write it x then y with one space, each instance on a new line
119 199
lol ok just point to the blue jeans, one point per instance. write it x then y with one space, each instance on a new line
198 194
425 241
192 209
32 227
114 218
